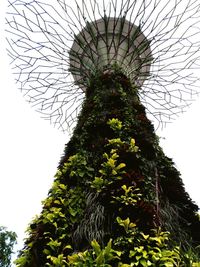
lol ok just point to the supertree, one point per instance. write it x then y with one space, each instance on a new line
105 69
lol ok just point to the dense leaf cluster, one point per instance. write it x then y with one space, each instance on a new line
113 186
7 242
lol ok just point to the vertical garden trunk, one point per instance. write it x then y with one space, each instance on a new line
115 193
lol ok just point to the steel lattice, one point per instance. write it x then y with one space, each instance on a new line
41 33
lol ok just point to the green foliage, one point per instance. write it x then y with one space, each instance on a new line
115 124
7 241
132 247
23 260
133 147
61 201
128 146
110 172
116 142
110 189
59 261
142 250
76 166
130 196
96 257
126 224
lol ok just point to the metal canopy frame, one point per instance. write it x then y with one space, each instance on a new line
41 34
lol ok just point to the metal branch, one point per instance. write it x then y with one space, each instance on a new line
40 35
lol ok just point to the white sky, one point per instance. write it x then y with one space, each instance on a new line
30 149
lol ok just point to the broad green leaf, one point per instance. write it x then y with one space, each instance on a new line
114 172
132 225
120 166
72 211
108 248
119 253
46 251
100 259
62 186
143 262
68 247
124 187
132 253
96 247
74 258
132 143
50 217
111 162
169 264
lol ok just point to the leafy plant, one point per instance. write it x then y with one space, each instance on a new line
113 183
110 172
7 241
130 196
76 166
97 257
115 124
59 261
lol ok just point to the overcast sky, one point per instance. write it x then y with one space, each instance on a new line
30 149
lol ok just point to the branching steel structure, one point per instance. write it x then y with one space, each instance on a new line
41 34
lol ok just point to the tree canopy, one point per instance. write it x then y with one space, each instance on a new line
7 242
